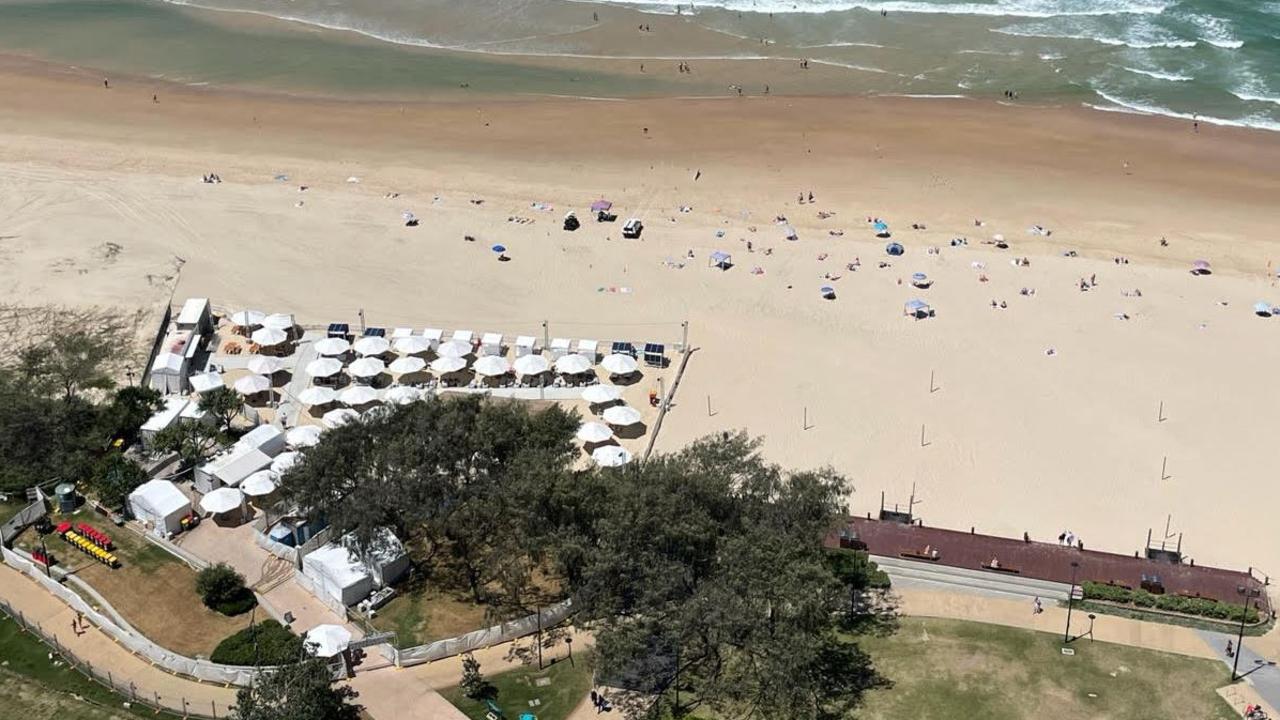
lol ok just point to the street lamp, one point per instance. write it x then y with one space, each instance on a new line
128 372
1249 594
569 642
1071 596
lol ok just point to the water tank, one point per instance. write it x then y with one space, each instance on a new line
66 497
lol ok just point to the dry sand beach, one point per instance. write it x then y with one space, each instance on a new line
1014 439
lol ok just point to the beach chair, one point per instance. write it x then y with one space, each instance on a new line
624 347
434 335
559 348
465 336
525 345
491 344
375 332
590 349
339 330
401 332
655 355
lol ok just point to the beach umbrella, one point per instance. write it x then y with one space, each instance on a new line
998 237
407 365
594 432
828 292
491 366
611 456
265 365
252 384
894 249
447 364
1263 309
880 226
284 461
412 345
338 418
268 337
247 318
368 367
601 394
454 349
622 415
358 395
317 396
372 345
330 347
601 205
303 436
222 500
618 364
918 278
1200 266
531 364
258 484
278 321
324 367
499 248
327 640
402 395
789 233
573 364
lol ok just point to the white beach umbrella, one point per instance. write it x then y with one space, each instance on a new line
531 364
573 364
368 367
258 484
404 365
402 395
268 337
247 318
622 415
327 640
222 500
618 364
252 384
454 349
611 456
265 364
279 321
594 432
600 394
412 345
332 346
317 396
338 418
371 345
324 367
358 395
447 364
491 365
303 436
284 461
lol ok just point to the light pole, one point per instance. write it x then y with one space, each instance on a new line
568 641
1071 596
128 372
1249 594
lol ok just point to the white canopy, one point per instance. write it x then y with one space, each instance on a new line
258 484
338 418
279 321
267 337
594 432
447 364
332 346
600 394
372 345
265 364
284 461
204 382
247 318
324 367
368 367
402 395
303 436
611 456
408 364
573 364
413 345
161 504
454 349
621 415
222 500
531 364
618 364
358 395
491 365
252 384
328 640
317 396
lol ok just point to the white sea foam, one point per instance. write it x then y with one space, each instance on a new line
1172 77
1008 8
1215 31
1137 42
1259 122
842 44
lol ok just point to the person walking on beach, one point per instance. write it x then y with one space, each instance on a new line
1036 607
697 175
106 84
1231 651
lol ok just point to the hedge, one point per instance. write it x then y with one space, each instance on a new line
276 645
1203 607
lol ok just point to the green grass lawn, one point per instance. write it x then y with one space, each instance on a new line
945 669
32 687
562 687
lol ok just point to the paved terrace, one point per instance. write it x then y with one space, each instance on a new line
1043 561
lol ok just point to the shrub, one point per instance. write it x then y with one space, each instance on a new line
223 589
1203 607
275 645
1102 591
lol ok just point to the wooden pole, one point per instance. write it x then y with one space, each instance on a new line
931 388
805 422
922 442
1163 466
709 413
1160 413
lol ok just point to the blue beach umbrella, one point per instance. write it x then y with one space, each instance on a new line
499 248
828 292
894 249
880 226
1262 308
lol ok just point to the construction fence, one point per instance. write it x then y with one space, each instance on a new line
486 637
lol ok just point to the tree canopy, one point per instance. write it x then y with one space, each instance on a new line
299 691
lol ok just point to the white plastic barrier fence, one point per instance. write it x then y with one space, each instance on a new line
280 550
503 632
330 602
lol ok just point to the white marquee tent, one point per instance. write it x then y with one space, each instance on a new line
161 505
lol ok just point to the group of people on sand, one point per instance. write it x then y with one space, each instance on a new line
210 178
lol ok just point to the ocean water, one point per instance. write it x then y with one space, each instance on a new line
1215 60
